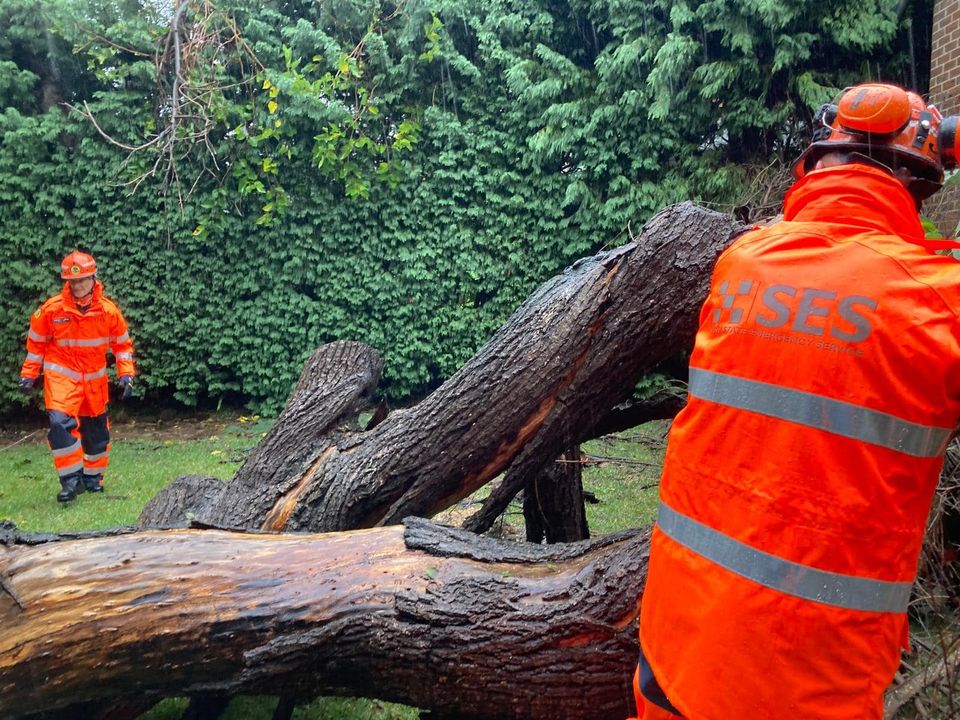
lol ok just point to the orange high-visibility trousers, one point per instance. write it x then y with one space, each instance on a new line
80 445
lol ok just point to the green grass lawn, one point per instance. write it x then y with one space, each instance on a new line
261 708
138 470
621 471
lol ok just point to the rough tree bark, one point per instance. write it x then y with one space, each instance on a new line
429 616
185 612
447 621
570 353
553 504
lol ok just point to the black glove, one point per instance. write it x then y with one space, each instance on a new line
126 382
26 385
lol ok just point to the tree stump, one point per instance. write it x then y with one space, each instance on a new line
553 506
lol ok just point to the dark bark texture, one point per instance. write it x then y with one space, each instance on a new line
663 405
553 505
98 625
571 352
445 620
429 616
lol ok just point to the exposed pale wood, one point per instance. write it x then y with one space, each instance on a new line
337 381
468 627
432 617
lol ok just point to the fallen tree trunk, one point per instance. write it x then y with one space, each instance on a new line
521 635
427 616
572 351
447 620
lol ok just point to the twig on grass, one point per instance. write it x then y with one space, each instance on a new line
21 440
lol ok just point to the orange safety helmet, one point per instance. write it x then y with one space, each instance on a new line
890 126
77 265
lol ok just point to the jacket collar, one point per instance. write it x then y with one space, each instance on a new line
857 195
71 304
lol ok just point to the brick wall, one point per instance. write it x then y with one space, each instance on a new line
944 207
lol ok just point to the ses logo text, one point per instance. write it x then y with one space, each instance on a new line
809 316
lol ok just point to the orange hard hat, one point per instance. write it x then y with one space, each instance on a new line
77 265
892 127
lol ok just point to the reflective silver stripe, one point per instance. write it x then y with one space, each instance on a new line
76 467
37 336
93 471
67 450
123 338
53 367
85 342
91 458
790 578
73 374
34 357
823 413
124 356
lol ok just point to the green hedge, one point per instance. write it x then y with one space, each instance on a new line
508 140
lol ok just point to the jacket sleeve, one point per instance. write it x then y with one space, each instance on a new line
38 337
121 345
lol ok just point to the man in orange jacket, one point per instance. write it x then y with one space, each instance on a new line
824 386
68 339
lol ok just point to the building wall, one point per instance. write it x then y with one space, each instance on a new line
944 207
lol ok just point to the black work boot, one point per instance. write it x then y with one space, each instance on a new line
70 487
93 483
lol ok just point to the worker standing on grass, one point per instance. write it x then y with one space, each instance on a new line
824 386
68 339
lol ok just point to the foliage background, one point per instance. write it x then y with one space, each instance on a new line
401 173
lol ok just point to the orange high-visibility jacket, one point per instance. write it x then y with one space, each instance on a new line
71 346
824 386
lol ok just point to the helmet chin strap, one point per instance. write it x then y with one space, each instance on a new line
919 188
867 160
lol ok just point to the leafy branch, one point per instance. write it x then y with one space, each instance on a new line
200 60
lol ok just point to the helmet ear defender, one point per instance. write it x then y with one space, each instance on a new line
948 142
823 121
889 126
